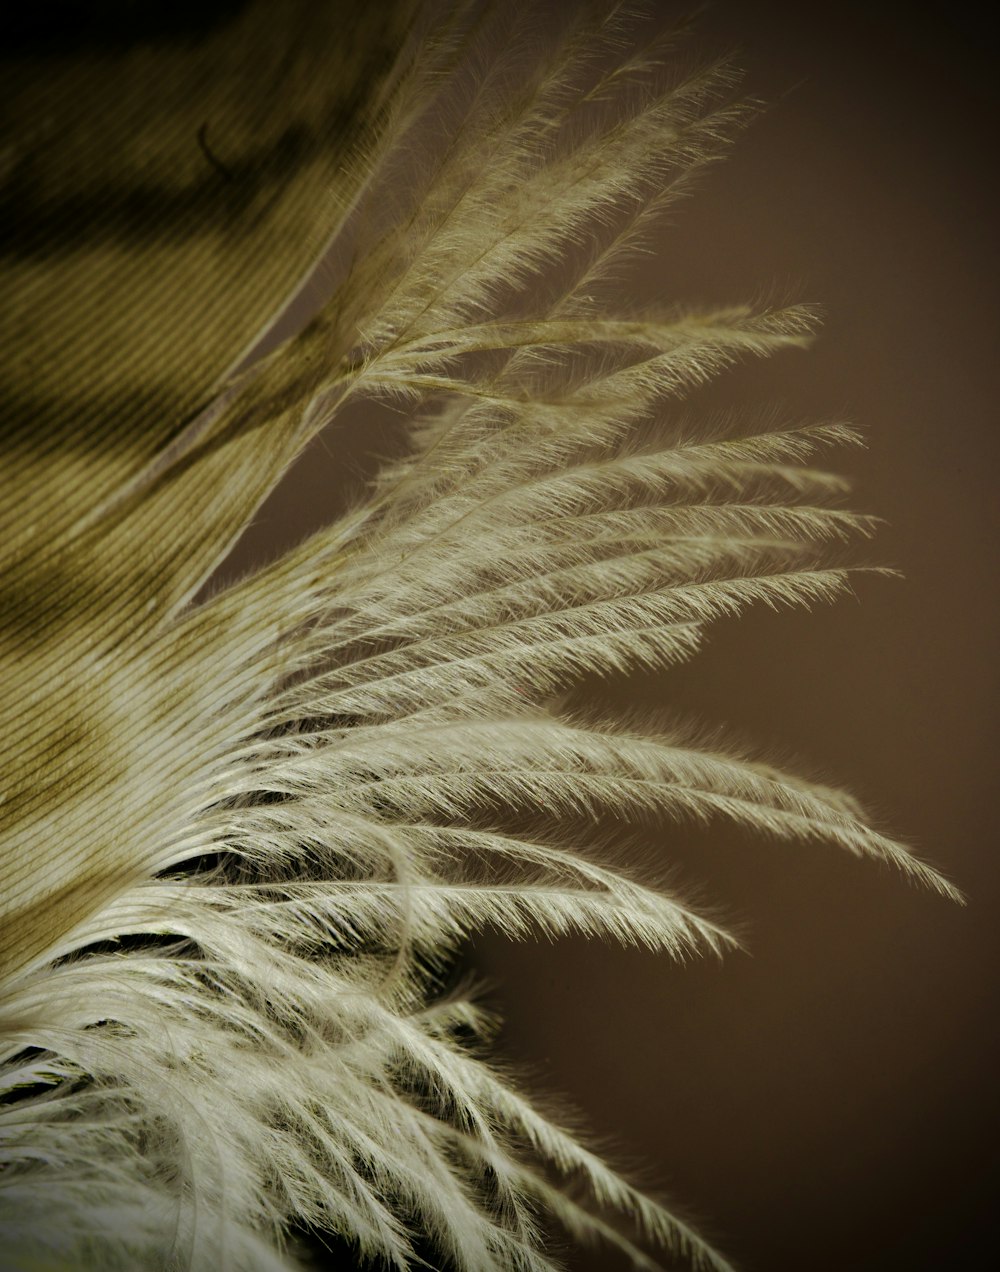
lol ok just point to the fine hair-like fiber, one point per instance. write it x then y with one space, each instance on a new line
248 822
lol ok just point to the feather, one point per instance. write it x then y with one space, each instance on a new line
247 827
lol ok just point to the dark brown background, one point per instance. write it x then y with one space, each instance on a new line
829 1101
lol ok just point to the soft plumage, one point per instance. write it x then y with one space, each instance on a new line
247 827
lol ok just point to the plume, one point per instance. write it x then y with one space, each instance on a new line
249 820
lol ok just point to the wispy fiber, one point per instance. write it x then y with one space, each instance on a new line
246 828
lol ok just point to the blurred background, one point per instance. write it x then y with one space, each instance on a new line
828 1100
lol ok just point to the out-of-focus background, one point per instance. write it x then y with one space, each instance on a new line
827 1101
